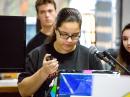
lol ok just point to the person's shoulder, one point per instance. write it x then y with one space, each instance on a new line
39 36
37 50
37 40
83 49
33 40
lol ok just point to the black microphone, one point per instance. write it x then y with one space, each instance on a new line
100 55
107 54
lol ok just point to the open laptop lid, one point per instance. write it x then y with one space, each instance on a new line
75 84
79 84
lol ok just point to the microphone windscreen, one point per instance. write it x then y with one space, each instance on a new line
92 49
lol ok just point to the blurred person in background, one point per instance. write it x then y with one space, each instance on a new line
46 14
124 51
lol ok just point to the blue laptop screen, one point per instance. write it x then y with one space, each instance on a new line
75 84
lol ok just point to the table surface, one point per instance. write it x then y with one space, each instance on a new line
8 85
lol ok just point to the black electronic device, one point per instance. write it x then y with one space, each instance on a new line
49 58
12 43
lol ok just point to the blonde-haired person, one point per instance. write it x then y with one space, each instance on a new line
124 51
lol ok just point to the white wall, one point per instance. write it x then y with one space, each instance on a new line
125 12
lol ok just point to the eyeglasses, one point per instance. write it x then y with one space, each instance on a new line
66 36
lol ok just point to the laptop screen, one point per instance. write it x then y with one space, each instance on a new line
75 84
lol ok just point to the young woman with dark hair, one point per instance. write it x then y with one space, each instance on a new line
124 51
67 54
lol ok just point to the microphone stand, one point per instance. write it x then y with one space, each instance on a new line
116 62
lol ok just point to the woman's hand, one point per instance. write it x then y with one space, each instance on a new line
50 65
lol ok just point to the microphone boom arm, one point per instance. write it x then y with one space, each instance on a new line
116 62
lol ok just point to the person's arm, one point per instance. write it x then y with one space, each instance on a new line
29 85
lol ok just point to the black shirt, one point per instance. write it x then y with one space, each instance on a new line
79 59
36 41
